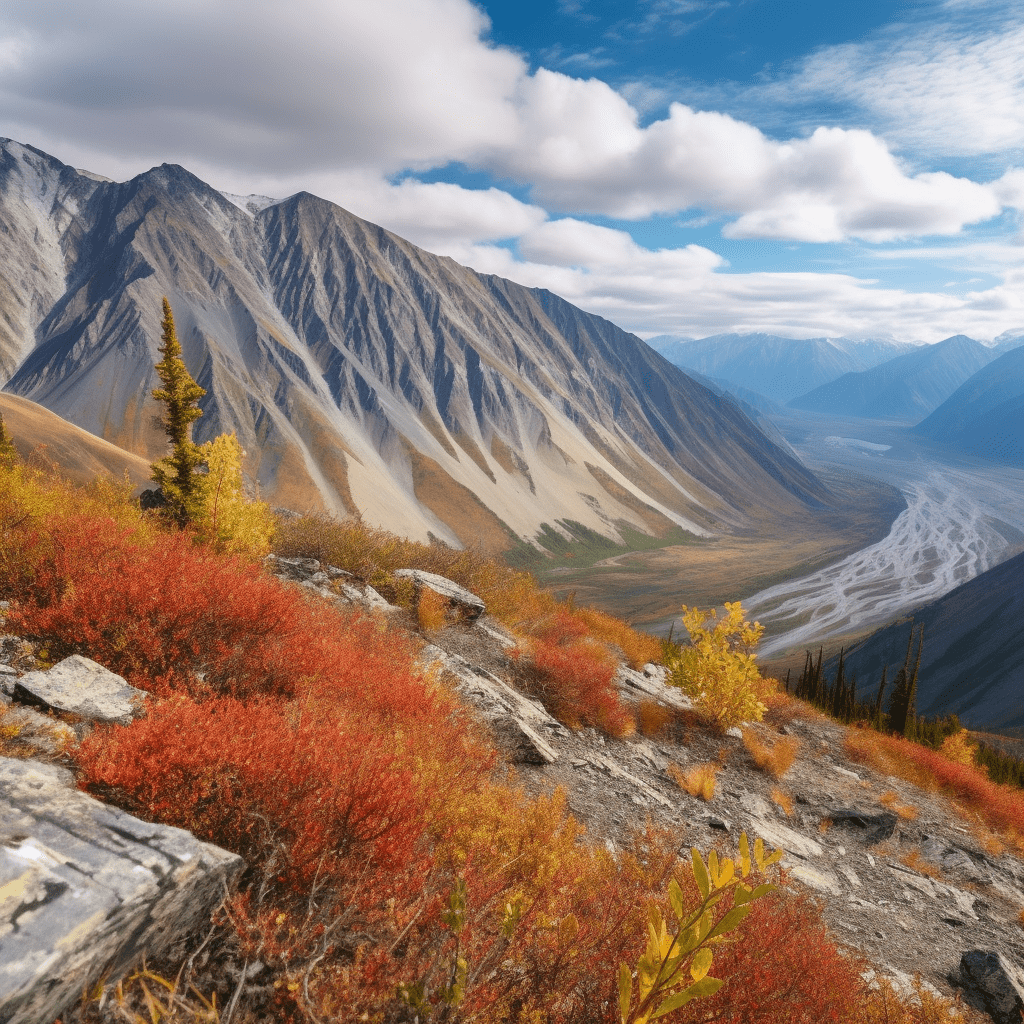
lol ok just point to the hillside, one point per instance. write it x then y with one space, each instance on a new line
907 387
44 437
361 373
985 415
778 368
973 660
428 803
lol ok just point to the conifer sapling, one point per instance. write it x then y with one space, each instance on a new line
176 474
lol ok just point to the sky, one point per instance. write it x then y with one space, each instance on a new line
688 167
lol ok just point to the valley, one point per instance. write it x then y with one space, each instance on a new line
960 518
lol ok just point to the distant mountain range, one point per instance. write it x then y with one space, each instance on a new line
361 373
906 388
985 415
973 658
779 368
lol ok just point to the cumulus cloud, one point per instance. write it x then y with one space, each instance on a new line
692 291
581 146
390 84
335 90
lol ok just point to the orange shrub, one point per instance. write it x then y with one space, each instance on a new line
783 799
1000 806
653 718
890 799
431 610
699 781
638 648
776 758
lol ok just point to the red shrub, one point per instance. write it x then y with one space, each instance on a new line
785 969
262 780
999 805
575 682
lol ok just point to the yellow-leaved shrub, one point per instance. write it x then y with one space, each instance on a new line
959 749
717 669
231 521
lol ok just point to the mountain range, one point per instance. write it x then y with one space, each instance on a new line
362 374
985 415
907 387
778 368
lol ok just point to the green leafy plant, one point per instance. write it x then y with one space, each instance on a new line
673 970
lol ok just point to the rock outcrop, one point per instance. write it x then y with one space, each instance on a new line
86 890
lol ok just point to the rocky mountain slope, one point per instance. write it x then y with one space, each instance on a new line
901 876
973 659
985 415
361 373
907 387
779 368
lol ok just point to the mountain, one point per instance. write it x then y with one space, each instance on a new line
756 407
361 373
973 660
1008 340
985 415
779 368
907 387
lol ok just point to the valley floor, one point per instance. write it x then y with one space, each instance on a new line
837 579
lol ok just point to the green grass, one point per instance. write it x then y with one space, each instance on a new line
584 547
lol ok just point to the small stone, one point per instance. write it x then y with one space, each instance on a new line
81 687
735 732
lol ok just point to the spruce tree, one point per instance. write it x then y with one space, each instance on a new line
912 687
176 474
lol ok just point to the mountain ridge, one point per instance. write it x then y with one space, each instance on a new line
363 374
907 387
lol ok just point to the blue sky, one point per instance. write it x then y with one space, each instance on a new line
686 167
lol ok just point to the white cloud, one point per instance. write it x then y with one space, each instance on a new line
339 92
691 291
314 83
953 86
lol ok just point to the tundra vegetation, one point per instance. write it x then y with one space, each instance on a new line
393 874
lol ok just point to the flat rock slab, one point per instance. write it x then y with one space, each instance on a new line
467 604
81 687
651 683
86 890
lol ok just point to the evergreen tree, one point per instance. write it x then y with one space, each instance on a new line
880 698
899 702
8 453
912 688
176 474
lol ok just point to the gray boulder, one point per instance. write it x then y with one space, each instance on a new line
83 688
993 984
86 890
465 604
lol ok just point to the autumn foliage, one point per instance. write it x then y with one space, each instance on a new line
390 874
997 806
